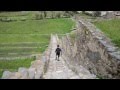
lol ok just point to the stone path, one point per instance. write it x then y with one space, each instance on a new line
59 69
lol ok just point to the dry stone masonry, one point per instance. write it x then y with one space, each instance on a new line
86 54
59 69
92 49
49 68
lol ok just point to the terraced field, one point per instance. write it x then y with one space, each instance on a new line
29 37
20 40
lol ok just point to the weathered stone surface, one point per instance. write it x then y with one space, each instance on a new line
38 74
93 50
60 70
93 55
31 72
24 73
6 74
16 75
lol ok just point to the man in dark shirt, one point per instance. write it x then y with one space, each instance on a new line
58 52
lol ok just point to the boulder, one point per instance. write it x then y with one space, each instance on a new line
6 74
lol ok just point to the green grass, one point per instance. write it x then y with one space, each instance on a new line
111 28
46 26
23 44
31 31
27 37
14 65
17 38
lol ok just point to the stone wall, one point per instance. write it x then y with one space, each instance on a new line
90 48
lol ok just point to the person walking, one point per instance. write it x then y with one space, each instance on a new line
58 52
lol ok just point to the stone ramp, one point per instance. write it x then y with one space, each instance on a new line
59 69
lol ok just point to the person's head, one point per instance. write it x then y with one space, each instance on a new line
57 45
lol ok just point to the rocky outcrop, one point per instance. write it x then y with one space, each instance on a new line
90 48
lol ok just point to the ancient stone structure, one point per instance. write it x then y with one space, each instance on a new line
91 49
87 53
49 68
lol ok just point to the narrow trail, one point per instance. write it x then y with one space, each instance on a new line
59 69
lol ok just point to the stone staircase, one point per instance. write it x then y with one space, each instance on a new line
46 67
60 69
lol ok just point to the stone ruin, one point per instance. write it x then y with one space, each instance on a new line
93 50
